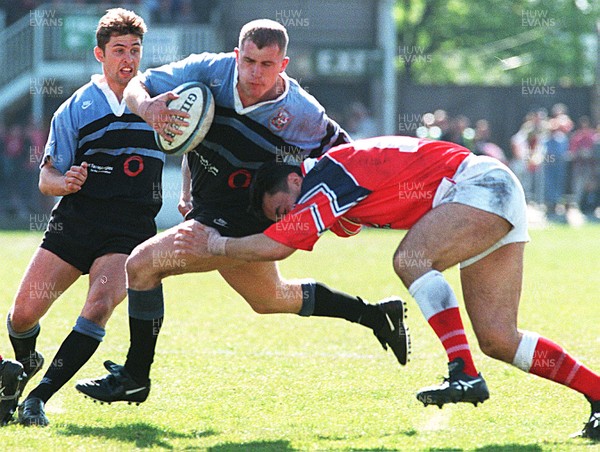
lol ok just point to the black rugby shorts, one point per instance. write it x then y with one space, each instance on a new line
81 230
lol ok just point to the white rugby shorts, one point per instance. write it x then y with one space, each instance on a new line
487 184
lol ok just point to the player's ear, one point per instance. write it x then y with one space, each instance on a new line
294 180
284 64
99 54
237 54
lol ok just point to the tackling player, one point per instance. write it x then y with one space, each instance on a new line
261 115
104 162
458 208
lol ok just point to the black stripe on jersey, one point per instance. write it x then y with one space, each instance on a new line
237 145
120 139
341 139
252 125
105 121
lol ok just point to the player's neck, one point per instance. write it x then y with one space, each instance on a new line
116 88
272 94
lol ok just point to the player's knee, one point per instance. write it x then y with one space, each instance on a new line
138 269
147 268
134 265
105 301
261 306
23 317
496 344
100 307
409 264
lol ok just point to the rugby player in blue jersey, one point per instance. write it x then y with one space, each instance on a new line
104 162
261 115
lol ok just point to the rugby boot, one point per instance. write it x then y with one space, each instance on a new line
11 376
31 365
394 333
458 387
117 386
31 412
591 429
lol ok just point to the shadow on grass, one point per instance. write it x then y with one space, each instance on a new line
510 447
495 448
254 446
139 434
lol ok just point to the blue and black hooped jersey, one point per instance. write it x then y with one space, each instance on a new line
290 127
119 147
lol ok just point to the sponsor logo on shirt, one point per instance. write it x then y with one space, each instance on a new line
86 104
210 168
93 168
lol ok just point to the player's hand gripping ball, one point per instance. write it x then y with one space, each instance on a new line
195 99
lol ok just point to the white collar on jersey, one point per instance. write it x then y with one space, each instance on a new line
239 108
308 164
118 108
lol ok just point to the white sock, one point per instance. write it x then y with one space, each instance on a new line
524 357
433 294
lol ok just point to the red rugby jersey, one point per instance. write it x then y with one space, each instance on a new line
386 182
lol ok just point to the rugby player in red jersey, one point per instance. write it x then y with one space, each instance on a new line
458 208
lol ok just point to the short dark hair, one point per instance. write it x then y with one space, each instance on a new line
270 178
263 33
119 22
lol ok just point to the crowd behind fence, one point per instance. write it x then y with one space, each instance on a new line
556 159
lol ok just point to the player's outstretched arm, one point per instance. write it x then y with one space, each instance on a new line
53 183
256 247
202 241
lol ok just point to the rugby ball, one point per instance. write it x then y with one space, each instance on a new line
196 99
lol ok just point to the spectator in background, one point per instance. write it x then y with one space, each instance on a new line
434 125
35 141
555 163
360 124
529 152
591 194
14 156
482 144
561 113
442 122
459 132
583 169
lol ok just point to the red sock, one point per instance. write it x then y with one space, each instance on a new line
448 326
552 362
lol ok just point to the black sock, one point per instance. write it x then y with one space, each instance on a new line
24 347
332 303
73 353
143 337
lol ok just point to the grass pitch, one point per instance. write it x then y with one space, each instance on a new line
227 379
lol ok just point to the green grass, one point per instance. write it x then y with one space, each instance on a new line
226 379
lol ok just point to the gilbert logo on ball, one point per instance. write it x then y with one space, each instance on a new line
196 99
